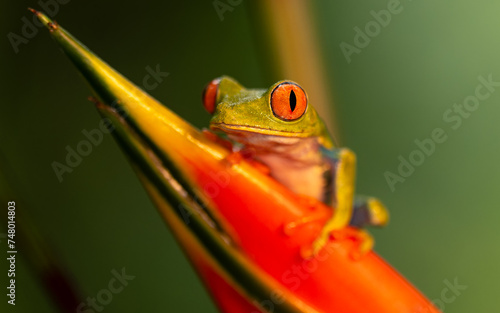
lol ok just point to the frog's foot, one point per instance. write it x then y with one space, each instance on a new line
363 241
369 211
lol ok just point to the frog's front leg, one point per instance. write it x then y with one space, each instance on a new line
345 173
367 211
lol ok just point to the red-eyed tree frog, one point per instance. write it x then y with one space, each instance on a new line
284 132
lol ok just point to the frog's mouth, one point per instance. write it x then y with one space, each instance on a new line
250 130
258 137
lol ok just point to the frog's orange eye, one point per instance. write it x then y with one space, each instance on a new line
210 95
288 101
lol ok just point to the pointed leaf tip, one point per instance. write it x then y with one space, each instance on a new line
44 19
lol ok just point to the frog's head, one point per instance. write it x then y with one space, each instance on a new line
282 110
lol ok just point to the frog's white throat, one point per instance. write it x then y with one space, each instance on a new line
296 149
295 162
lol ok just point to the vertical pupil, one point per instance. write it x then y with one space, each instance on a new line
293 100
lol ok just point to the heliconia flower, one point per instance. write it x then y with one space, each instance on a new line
233 221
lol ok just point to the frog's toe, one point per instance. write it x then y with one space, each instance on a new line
379 214
319 243
363 242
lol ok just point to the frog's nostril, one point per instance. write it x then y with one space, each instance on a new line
209 97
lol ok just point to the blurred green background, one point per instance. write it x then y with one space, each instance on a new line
395 90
